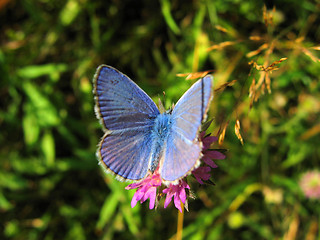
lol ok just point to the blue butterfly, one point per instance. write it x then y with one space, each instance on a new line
138 138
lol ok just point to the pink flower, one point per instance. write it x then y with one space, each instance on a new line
147 188
203 172
209 155
310 184
207 140
178 193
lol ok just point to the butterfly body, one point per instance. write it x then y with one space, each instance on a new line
159 133
139 139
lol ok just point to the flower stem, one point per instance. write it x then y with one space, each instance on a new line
180 222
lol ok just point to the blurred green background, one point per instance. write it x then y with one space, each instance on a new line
50 184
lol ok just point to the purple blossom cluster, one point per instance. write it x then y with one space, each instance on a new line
148 187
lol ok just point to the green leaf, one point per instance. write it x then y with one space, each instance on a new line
288 183
108 209
12 228
76 231
68 211
48 148
45 112
35 71
297 153
28 165
206 125
30 128
129 218
69 12
4 203
165 8
12 181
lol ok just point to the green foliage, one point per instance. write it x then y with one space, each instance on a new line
50 184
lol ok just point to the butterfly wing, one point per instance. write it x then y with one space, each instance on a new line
183 148
127 114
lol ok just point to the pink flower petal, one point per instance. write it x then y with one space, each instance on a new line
152 197
209 162
132 186
140 193
147 188
198 179
183 185
214 155
183 196
136 197
133 202
207 140
178 193
201 135
177 203
202 173
168 200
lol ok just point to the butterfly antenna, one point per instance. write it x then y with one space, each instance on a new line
161 107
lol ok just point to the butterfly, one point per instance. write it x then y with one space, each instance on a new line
138 139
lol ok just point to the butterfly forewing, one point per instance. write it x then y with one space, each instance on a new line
128 114
120 103
183 148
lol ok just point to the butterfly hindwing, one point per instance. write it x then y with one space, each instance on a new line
183 148
128 114
127 155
